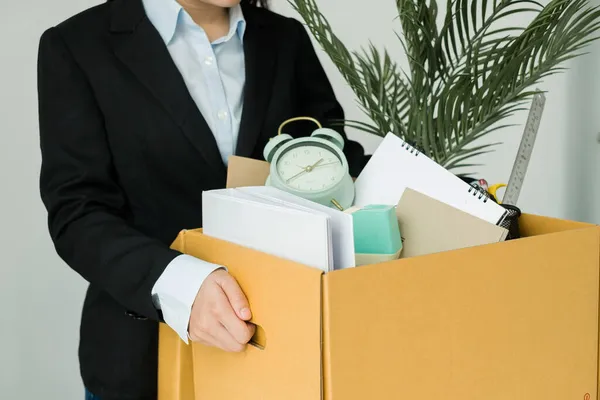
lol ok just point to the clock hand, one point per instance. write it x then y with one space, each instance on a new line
321 165
298 174
308 169
331 163
305 169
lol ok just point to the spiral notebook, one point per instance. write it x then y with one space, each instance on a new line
395 166
429 226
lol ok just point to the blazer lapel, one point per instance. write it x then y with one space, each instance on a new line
260 58
139 46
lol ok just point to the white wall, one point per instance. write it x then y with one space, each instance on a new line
41 297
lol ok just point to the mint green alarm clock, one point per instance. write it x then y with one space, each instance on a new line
313 167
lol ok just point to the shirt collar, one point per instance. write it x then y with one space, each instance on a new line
165 15
237 24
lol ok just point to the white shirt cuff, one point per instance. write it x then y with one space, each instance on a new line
176 289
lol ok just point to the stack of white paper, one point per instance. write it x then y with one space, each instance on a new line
278 223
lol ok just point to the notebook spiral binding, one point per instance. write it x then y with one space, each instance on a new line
479 193
410 149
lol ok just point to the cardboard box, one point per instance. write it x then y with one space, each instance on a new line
507 321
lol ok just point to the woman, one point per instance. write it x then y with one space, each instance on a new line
141 103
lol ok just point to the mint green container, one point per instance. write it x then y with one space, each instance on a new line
377 235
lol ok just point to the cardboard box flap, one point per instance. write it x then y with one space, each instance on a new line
285 299
499 321
242 171
535 225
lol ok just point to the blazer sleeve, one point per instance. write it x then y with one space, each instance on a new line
317 99
86 207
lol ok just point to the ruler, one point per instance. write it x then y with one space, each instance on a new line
517 176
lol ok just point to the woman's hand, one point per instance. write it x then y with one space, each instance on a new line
220 313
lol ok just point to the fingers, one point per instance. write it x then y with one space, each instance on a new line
236 297
251 328
222 338
211 332
220 313
204 338
228 318
226 340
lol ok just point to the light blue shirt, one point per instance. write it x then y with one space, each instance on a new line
215 76
213 72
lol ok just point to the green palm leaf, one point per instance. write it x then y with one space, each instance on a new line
464 77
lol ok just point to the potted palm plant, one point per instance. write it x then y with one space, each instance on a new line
466 75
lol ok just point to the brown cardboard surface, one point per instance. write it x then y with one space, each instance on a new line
175 367
512 320
535 225
244 171
515 320
285 299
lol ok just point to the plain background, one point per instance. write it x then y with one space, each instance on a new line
41 298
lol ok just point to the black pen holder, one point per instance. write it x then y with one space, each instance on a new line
511 221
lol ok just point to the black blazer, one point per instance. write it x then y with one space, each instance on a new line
126 155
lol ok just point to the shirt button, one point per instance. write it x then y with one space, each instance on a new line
208 60
222 115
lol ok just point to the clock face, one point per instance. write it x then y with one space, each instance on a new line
310 167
